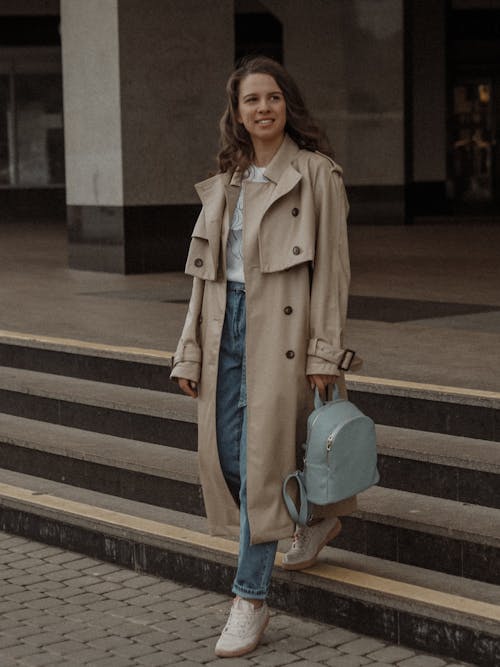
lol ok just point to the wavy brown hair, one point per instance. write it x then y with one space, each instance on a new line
236 148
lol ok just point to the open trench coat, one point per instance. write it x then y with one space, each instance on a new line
297 274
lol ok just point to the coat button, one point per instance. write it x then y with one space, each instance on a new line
295 212
290 354
198 262
296 250
288 310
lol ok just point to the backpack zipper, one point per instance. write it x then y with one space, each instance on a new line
333 434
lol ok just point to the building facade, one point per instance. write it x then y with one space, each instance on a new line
109 110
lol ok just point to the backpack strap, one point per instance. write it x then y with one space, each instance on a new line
299 517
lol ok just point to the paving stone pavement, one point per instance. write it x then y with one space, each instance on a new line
61 608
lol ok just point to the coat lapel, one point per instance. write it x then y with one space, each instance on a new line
213 197
281 172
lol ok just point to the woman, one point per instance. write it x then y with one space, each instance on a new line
270 269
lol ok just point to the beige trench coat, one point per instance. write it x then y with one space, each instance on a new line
294 324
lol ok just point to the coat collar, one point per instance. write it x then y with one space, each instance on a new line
281 162
280 171
278 165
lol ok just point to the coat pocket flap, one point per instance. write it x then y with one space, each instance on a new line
200 227
200 262
287 255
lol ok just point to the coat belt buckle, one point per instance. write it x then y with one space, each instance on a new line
346 360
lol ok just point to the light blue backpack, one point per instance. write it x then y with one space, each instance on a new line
340 456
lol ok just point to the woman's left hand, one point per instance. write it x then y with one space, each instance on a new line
322 382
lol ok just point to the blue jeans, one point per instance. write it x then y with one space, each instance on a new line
255 561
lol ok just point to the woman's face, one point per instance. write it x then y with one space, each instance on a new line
262 108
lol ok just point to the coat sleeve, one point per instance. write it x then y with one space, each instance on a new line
187 358
330 277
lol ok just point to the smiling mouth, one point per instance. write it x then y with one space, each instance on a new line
265 121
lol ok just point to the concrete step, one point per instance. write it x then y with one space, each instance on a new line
470 413
401 604
458 468
140 414
440 465
435 533
451 410
129 366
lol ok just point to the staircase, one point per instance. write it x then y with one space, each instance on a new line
97 454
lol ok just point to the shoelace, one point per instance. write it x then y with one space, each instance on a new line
238 622
300 538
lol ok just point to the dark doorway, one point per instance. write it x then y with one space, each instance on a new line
474 111
257 32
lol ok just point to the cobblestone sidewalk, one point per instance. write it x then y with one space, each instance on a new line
58 607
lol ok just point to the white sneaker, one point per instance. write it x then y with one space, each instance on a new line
243 630
308 542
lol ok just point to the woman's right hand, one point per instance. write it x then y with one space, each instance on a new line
189 387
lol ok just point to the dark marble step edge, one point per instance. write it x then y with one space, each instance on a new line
161 430
370 532
466 485
93 361
441 516
407 472
436 416
474 422
421 390
70 446
126 370
391 617
98 394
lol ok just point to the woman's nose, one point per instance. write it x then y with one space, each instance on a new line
263 105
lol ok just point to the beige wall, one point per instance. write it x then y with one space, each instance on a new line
91 87
143 93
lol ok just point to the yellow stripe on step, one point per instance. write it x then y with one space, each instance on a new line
352 380
51 341
157 529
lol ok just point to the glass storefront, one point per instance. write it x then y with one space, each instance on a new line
473 140
31 121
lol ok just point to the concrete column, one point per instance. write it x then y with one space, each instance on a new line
143 92
347 57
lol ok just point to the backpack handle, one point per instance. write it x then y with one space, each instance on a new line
299 517
318 401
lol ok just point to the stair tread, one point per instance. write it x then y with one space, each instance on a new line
99 394
413 511
449 450
424 391
394 573
87 348
145 457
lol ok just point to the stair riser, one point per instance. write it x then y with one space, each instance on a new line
173 494
423 549
435 552
441 481
469 421
289 592
162 431
436 416
471 486
88 367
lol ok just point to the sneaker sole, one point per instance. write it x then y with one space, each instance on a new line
303 565
247 649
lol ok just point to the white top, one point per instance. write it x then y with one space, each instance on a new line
234 255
